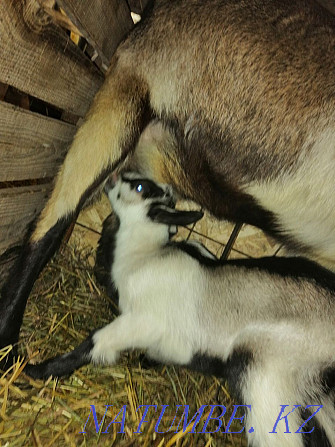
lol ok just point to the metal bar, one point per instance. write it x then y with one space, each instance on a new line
231 241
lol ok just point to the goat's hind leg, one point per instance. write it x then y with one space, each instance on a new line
110 131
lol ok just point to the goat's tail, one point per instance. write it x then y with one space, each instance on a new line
288 412
323 434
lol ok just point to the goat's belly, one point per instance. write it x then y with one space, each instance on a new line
303 204
293 202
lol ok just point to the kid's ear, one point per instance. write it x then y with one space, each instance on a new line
169 216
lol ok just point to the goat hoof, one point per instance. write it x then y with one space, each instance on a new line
37 372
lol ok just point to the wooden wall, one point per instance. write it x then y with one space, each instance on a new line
47 83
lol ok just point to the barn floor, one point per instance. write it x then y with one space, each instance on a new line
65 305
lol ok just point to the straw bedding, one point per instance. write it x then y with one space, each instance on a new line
65 305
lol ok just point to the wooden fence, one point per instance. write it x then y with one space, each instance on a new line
53 56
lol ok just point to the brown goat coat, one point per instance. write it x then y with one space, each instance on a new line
245 90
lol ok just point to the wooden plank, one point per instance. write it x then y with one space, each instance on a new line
31 145
38 58
137 5
18 207
103 23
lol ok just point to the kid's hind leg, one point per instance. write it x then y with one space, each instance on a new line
110 131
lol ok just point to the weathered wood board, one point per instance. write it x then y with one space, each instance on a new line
103 23
38 58
18 207
32 146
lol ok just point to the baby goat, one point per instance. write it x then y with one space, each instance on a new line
266 325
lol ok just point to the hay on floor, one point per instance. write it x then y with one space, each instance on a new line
64 306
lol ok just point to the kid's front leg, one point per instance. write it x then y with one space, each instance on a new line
101 346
